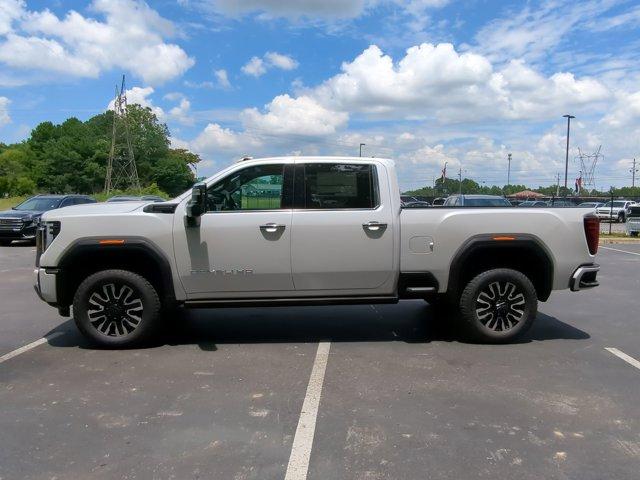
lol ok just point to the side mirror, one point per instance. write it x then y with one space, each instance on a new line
198 203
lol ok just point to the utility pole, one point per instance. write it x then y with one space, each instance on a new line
509 172
634 170
460 180
566 160
361 145
121 167
558 185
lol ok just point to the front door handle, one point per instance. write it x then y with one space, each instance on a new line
374 226
272 227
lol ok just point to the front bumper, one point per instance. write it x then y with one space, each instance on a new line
45 284
26 233
584 277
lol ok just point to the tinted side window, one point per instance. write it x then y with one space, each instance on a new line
339 185
253 188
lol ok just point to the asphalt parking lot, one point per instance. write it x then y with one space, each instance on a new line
358 392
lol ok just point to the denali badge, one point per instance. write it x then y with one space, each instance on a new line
232 271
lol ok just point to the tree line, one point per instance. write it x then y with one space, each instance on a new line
72 157
451 185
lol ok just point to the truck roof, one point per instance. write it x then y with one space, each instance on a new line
319 158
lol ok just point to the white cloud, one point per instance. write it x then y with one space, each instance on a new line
4 111
299 116
222 79
141 96
216 142
257 66
131 36
10 10
626 112
254 67
436 81
181 113
278 60
534 31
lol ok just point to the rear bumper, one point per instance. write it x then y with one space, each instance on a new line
584 277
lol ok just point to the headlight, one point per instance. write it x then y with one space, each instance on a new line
46 233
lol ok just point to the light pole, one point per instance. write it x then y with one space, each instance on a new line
566 160
509 171
361 145
634 170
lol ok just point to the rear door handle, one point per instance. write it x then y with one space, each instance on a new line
272 227
374 226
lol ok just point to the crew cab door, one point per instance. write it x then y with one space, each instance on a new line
343 229
242 246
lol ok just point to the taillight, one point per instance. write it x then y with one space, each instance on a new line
592 232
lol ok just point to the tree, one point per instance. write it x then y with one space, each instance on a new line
72 157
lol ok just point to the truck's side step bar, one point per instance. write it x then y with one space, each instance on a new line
417 285
292 301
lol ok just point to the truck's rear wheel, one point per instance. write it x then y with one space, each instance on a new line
498 305
116 308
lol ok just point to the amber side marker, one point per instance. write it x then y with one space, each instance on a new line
504 239
111 242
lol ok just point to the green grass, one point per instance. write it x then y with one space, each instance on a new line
8 202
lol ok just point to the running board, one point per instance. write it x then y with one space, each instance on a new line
284 302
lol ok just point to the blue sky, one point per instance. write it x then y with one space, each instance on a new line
422 81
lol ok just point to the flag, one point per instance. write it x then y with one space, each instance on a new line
578 184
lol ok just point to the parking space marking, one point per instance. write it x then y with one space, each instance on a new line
303 440
621 251
627 358
30 346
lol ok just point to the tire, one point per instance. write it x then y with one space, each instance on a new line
5 243
497 306
621 218
634 234
116 309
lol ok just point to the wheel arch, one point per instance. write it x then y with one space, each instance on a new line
522 252
88 255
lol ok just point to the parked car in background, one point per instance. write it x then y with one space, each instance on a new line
131 198
633 220
618 211
476 201
533 203
416 204
21 221
438 202
407 199
560 202
591 204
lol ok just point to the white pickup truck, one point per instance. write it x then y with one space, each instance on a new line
305 231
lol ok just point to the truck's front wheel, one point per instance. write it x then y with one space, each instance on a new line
116 308
498 305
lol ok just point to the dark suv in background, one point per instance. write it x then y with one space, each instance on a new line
21 221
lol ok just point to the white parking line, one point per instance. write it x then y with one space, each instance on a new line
26 348
627 358
621 251
303 440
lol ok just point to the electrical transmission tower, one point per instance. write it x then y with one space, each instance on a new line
588 163
121 169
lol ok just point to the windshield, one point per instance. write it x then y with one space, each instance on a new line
615 204
486 202
39 204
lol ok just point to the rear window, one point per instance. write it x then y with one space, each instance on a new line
339 185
